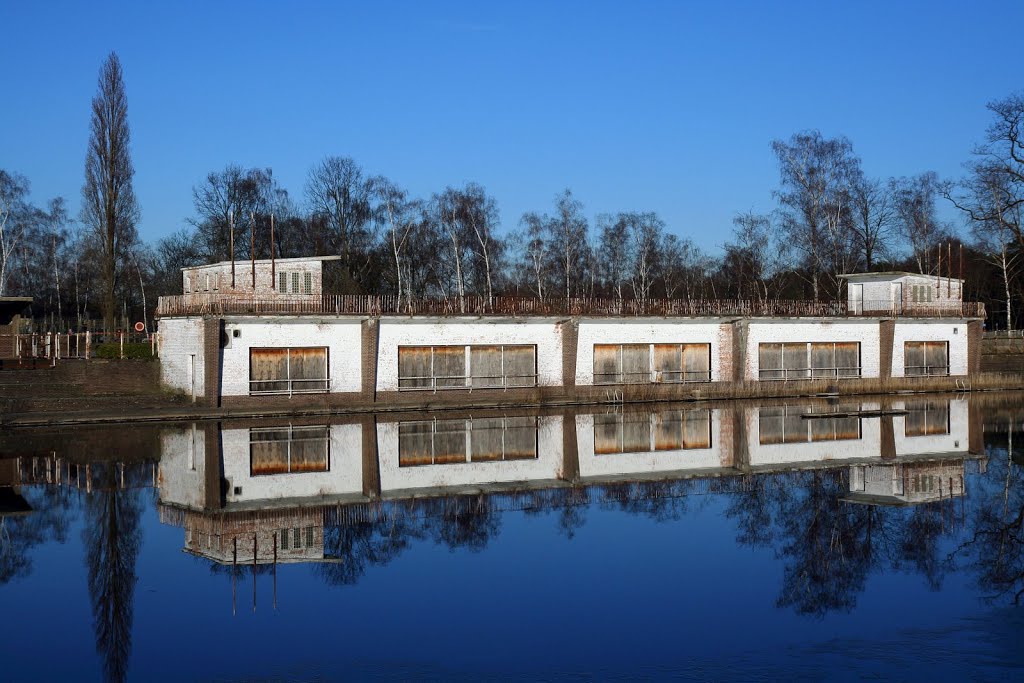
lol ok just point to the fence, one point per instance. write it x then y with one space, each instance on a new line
351 304
54 346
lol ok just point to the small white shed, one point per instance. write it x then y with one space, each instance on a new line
895 292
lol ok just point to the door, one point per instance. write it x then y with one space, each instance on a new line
857 299
896 297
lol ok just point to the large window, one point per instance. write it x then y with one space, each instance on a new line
631 432
926 358
445 442
787 424
288 450
455 367
643 363
806 360
926 418
288 370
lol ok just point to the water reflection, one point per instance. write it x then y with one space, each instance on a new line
835 491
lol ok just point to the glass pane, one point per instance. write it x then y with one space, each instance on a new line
937 358
696 429
520 438
268 457
520 366
794 359
486 439
485 364
636 363
607 433
697 362
414 443
268 370
668 363
606 364
450 366
310 449
913 358
413 366
449 441
668 431
770 361
848 359
308 369
823 360
636 432
771 424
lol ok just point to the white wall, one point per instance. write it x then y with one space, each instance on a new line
545 334
869 445
957 441
342 337
182 473
180 339
345 474
620 464
953 331
545 467
866 332
641 331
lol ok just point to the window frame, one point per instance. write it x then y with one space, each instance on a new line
808 371
926 369
290 382
654 376
291 430
432 382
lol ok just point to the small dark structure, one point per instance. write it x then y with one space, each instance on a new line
11 308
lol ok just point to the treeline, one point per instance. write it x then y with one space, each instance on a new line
830 218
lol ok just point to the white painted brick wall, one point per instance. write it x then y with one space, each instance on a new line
342 337
621 464
182 474
633 331
546 466
955 332
345 475
545 334
180 340
954 442
865 332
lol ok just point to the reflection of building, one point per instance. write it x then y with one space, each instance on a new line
906 483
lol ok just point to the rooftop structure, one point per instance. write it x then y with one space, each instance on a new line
902 293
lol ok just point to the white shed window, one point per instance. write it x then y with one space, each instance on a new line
926 358
288 370
282 282
307 283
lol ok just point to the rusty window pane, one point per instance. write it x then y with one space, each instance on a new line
668 363
290 450
636 363
848 359
607 364
449 441
668 431
914 358
520 366
308 369
268 370
485 363
415 443
770 361
450 366
794 360
823 359
487 438
636 432
607 433
697 362
696 429
414 366
926 418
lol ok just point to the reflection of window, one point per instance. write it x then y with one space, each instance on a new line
802 360
296 538
288 370
926 419
440 367
787 424
631 432
289 450
441 442
926 358
632 363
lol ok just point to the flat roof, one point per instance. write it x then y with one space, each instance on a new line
893 275
237 261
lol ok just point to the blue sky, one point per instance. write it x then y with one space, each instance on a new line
663 106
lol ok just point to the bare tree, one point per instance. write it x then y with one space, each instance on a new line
914 206
342 197
647 233
109 207
613 252
398 215
479 213
749 255
14 211
871 218
814 178
534 253
567 243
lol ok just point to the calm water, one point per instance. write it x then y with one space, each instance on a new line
657 542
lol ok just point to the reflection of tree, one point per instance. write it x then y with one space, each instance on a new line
112 540
48 520
661 501
464 522
829 546
995 548
359 545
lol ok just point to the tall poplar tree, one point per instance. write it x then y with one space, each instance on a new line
109 208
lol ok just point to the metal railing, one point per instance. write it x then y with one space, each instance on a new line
657 377
445 382
321 385
926 370
788 374
351 304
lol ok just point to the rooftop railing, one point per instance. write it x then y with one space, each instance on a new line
504 306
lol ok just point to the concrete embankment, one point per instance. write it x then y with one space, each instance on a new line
1002 355
106 392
